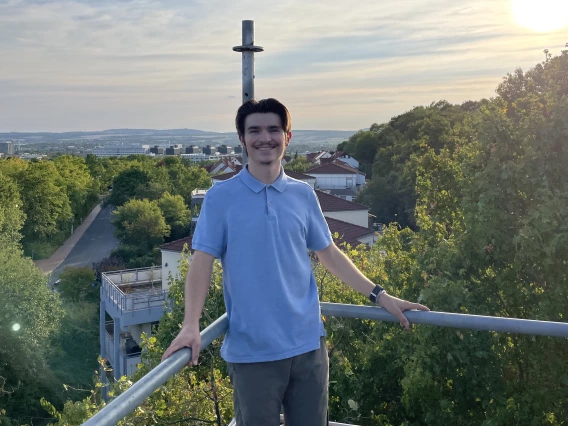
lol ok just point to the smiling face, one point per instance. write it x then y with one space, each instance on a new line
264 139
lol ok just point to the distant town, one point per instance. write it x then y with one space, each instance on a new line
196 145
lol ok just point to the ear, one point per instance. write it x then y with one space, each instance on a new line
242 140
288 137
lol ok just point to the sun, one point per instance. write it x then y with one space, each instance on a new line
541 15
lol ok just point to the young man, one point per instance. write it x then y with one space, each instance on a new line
261 224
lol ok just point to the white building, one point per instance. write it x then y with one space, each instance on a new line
121 150
338 179
199 157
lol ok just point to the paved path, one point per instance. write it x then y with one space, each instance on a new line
95 244
48 265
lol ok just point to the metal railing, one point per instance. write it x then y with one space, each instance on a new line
126 403
114 282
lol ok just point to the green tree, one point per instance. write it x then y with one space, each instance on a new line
125 185
45 200
29 317
140 223
75 284
11 214
77 180
176 213
299 165
76 347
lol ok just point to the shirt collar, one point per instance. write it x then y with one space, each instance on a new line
255 185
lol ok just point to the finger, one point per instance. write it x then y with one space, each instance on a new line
403 320
173 348
195 354
408 306
420 307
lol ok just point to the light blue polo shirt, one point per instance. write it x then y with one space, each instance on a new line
262 234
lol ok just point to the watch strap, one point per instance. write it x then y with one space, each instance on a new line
375 294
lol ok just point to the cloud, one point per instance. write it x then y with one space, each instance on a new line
80 64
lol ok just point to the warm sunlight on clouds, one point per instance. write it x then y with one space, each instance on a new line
541 15
76 64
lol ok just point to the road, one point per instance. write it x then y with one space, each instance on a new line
94 245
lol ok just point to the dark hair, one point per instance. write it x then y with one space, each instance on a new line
263 106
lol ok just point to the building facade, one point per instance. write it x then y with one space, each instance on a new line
120 150
7 148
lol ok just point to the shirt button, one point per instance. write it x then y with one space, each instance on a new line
269 204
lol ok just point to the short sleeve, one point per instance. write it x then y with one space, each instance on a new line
318 235
210 233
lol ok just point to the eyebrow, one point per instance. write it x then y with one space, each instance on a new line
258 127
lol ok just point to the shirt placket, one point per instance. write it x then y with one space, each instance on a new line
269 203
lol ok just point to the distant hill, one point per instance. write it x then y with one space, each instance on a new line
149 136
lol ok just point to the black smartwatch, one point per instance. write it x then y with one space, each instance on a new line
376 293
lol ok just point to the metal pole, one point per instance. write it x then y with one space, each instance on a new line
248 50
127 402
446 319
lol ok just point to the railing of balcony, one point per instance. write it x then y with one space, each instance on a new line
126 403
128 290
127 363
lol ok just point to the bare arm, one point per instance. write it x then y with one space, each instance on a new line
336 262
197 284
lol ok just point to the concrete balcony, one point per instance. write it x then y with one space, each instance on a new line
135 295
126 363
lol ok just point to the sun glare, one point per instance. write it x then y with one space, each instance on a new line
541 15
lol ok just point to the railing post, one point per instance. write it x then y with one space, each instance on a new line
116 348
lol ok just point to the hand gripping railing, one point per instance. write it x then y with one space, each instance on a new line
131 398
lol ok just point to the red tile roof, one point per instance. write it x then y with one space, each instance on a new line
348 232
312 157
177 245
331 203
296 175
225 176
333 169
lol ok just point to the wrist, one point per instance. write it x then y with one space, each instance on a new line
376 294
190 325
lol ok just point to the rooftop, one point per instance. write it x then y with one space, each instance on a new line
177 245
333 169
348 232
331 203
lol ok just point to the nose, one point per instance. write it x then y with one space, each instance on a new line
264 136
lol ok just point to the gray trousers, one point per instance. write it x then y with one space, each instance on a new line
298 384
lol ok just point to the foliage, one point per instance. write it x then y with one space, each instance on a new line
125 185
176 214
29 316
77 180
298 165
11 214
45 200
76 348
112 263
76 284
140 223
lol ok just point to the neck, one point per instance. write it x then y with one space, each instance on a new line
266 173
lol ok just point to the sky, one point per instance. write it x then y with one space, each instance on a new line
79 65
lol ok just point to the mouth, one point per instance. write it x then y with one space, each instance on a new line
264 148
